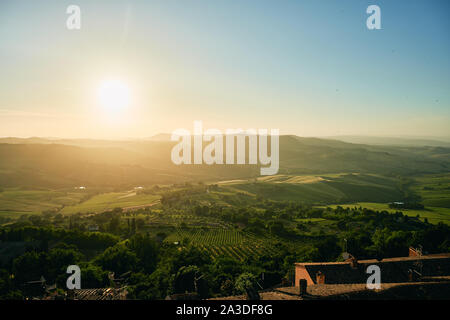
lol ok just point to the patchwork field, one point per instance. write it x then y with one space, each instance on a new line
366 190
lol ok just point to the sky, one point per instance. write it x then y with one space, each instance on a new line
310 68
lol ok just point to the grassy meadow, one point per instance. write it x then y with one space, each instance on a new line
109 201
432 214
371 191
17 201
433 189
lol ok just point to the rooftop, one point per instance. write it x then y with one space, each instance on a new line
372 261
100 294
435 287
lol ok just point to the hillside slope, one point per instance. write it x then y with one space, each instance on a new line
128 163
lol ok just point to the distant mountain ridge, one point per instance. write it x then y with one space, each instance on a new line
392 141
355 139
68 162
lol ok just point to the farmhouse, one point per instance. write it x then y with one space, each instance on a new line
414 277
393 270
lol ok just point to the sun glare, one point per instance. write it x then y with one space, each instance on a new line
114 95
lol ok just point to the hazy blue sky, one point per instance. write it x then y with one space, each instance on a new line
310 68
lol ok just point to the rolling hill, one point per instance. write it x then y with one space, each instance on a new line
68 163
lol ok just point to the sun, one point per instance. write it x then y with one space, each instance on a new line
114 95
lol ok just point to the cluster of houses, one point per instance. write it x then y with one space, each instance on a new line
319 280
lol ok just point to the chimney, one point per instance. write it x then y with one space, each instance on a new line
353 261
320 278
415 252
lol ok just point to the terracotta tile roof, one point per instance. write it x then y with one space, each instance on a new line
318 291
410 290
100 294
393 270
371 261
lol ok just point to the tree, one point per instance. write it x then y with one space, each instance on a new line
57 262
389 243
434 239
118 259
328 249
114 224
226 265
191 279
277 228
140 223
146 250
247 283
188 256
357 243
227 287
133 225
93 276
150 287
29 267
7 288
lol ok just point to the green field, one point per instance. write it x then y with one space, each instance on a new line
316 189
111 200
433 214
16 214
222 242
16 201
212 236
368 190
434 190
